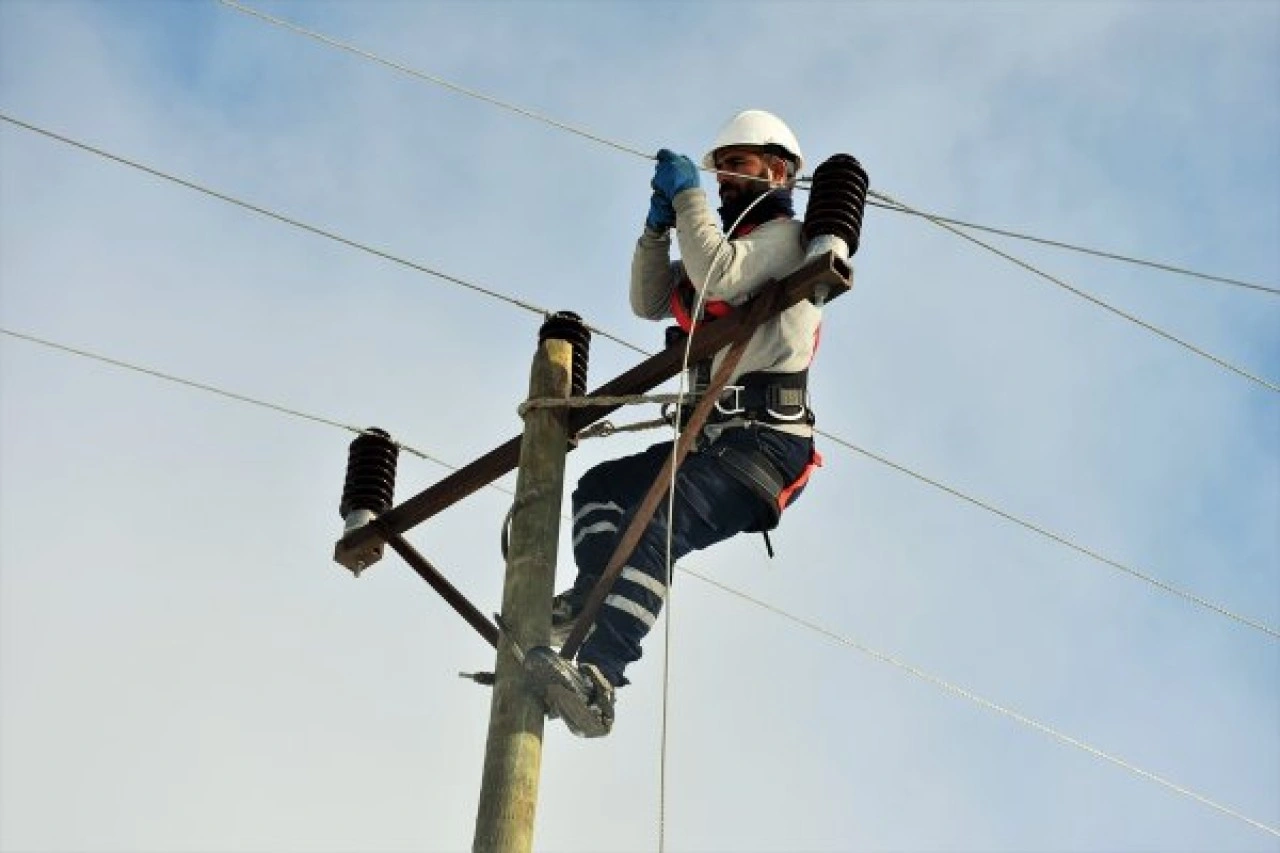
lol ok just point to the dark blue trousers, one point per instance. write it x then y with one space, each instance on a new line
710 506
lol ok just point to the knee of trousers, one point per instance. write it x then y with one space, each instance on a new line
595 532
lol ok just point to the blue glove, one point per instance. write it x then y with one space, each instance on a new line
674 174
662 213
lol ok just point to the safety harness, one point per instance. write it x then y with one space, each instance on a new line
756 471
761 397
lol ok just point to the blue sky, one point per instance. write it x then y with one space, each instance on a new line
182 667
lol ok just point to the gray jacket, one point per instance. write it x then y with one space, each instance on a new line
732 271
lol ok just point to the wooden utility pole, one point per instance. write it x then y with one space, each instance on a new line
513 753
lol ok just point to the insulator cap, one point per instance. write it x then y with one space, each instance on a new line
837 198
371 473
568 326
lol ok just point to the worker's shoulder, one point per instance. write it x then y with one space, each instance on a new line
781 238
783 231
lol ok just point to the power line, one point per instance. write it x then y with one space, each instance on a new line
605 334
797 620
201 386
989 705
1152 581
1086 296
632 149
1071 247
888 201
296 223
1061 540
386 255
431 78
960 691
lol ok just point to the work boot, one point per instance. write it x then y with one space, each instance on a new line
577 693
565 610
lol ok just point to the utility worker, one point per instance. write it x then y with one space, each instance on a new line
756 451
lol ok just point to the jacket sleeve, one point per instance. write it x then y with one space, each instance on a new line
653 275
730 270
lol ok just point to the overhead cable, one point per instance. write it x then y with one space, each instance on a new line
937 484
431 78
989 705
546 312
1061 540
616 339
632 149
1084 295
201 386
1071 247
797 620
296 223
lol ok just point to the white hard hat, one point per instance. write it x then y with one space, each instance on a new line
755 127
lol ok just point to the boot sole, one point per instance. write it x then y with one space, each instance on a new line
562 691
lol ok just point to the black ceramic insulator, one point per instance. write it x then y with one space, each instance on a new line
568 326
836 201
371 473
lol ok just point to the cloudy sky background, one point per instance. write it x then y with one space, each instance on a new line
183 668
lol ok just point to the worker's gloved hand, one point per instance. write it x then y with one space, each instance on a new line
674 174
662 213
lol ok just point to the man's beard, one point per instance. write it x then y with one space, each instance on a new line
737 197
741 192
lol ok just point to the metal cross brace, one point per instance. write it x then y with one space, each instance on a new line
827 273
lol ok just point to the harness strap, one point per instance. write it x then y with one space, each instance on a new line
815 461
766 397
756 471
684 295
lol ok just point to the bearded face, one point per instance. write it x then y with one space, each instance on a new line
740 191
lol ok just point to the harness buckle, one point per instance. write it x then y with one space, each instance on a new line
736 392
794 399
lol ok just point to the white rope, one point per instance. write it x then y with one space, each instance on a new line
695 313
